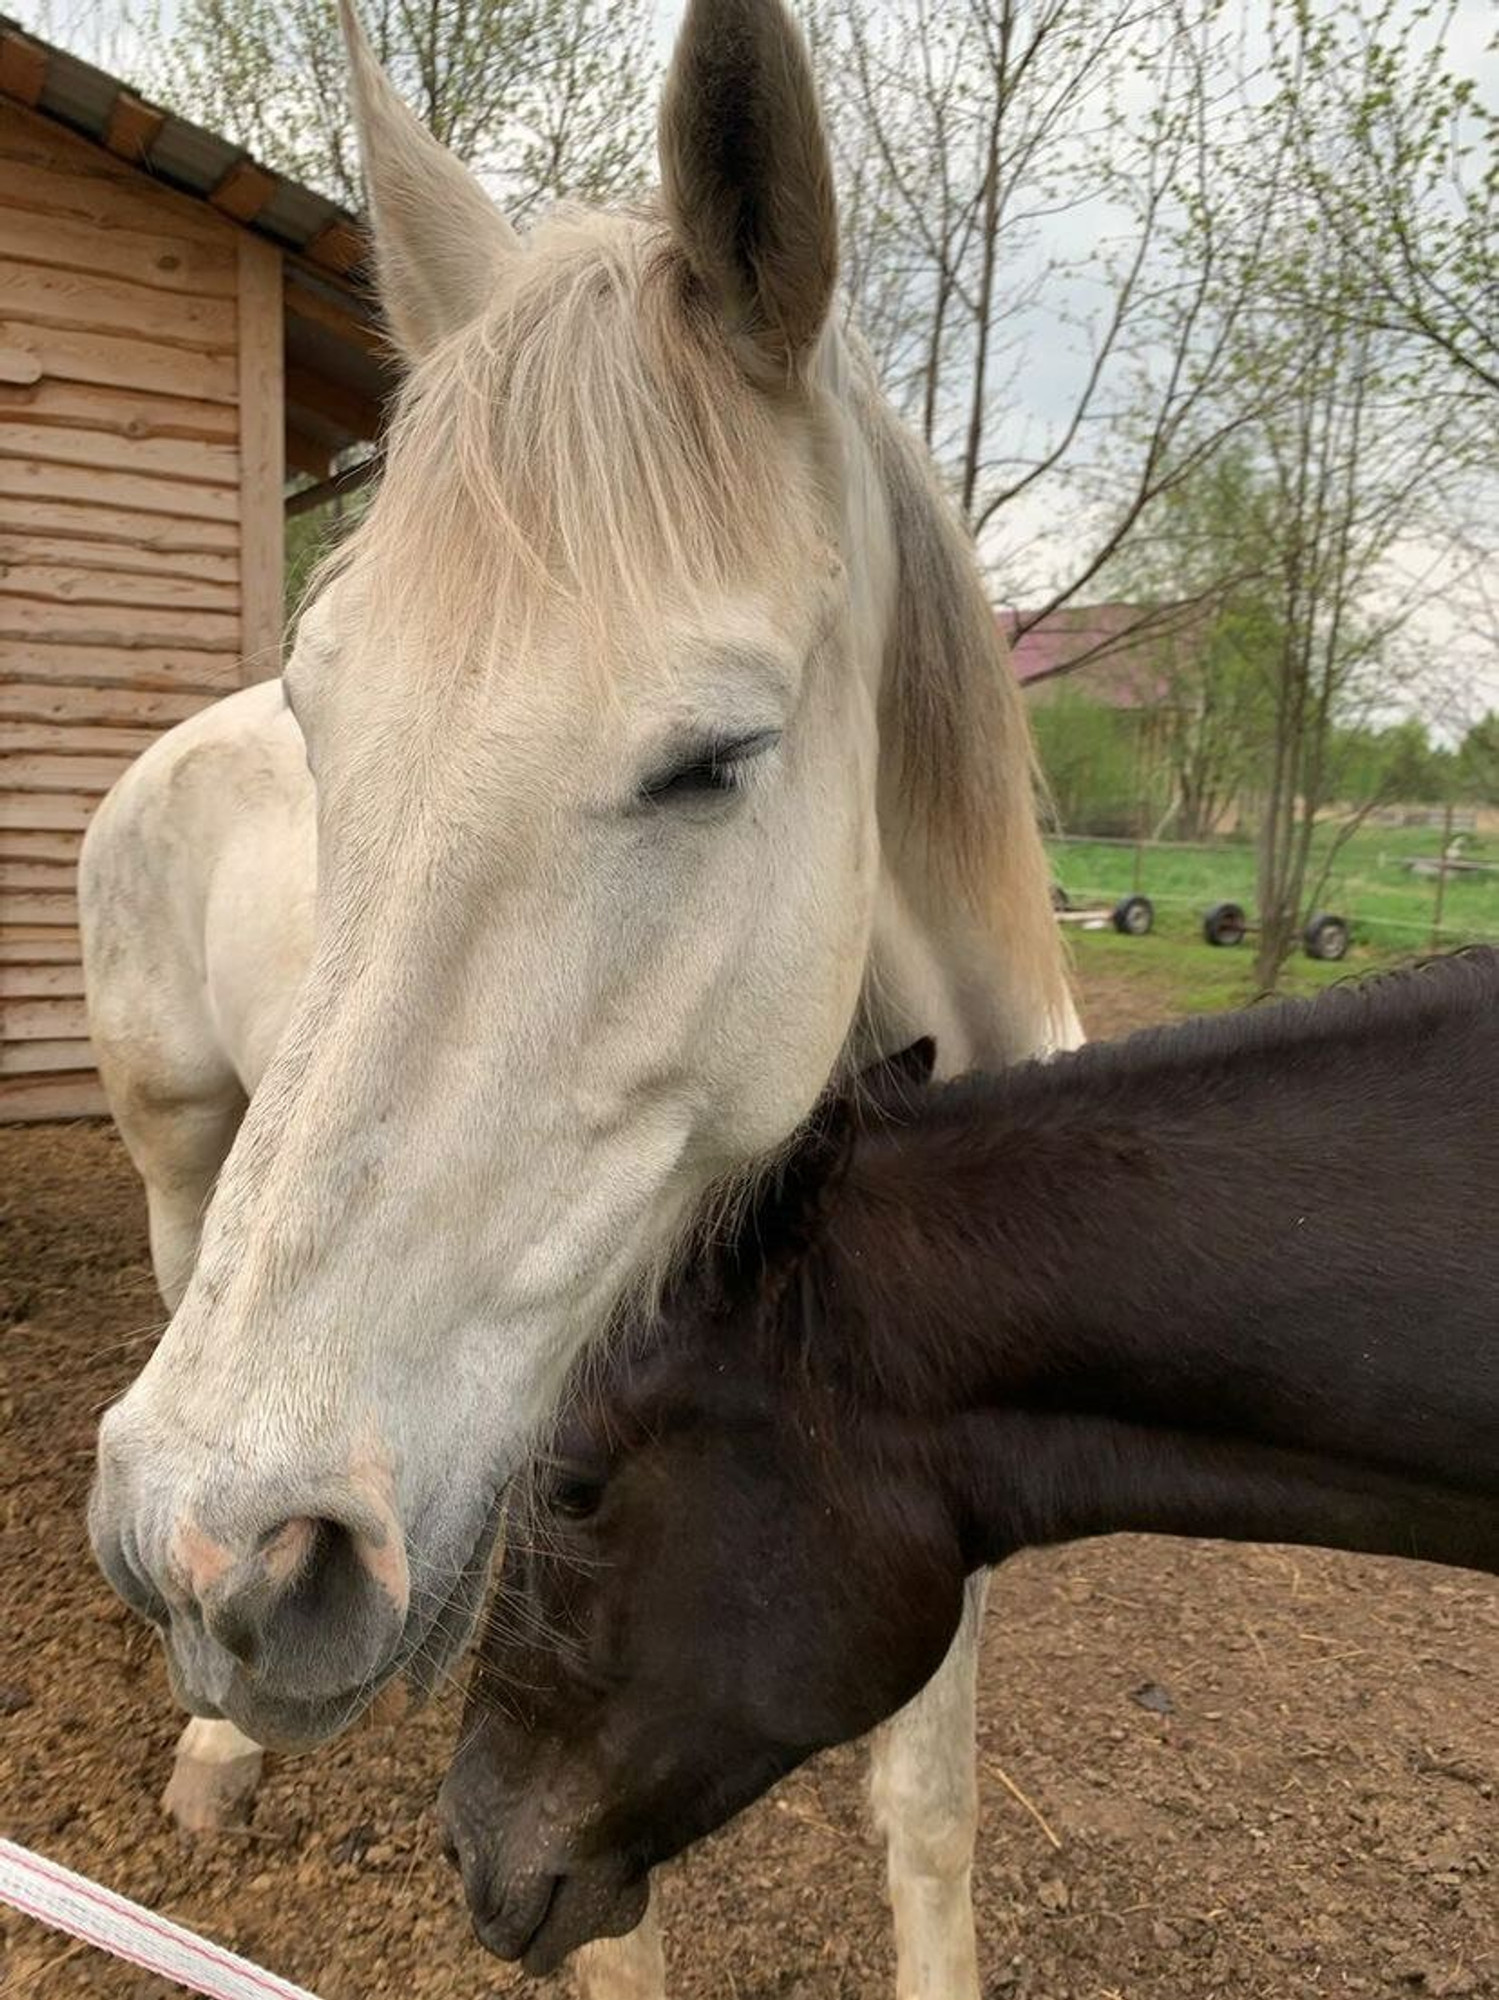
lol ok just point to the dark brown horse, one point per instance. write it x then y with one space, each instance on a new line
1235 1279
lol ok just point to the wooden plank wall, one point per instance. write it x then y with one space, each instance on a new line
121 500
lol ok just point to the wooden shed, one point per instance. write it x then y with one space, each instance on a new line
181 330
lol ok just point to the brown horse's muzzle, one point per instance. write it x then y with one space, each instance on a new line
533 1892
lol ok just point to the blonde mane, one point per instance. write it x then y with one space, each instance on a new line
594 436
587 438
955 726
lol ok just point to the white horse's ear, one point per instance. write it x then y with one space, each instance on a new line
746 174
439 239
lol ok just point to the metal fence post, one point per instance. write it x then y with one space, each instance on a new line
1441 890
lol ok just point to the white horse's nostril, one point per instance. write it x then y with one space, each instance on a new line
316 1601
237 1632
286 1548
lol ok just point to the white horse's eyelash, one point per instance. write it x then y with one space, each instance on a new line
719 768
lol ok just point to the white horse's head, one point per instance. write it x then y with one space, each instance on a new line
594 700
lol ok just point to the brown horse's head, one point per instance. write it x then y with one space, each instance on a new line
720 1569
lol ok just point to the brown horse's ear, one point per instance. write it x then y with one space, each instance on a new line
807 1178
746 175
888 1087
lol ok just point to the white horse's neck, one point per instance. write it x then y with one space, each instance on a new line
932 973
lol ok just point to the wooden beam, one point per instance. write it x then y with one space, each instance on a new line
116 558
262 459
197 464
126 413
79 583
39 944
42 1020
26 1100
306 303
87 302
340 246
119 361
348 481
45 1057
30 981
22 908
35 843
177 669
23 68
163 258
35 1100
306 454
132 128
31 621
60 877
93 484
86 520
46 702
21 772
22 810
244 191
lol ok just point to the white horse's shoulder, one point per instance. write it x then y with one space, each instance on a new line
250 731
195 887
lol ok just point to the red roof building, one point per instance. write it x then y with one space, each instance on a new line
1114 653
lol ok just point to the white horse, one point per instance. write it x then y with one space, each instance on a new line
666 758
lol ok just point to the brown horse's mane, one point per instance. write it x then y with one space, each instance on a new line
1360 1017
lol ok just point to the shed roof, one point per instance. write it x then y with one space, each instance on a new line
1124 648
337 370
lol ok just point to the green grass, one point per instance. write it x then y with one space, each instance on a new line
1389 908
1182 975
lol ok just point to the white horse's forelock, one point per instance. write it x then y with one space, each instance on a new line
586 438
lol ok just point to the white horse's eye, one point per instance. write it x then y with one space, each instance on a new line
709 767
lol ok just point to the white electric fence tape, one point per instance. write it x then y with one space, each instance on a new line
53 1895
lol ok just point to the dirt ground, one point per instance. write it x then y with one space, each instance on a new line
1264 1772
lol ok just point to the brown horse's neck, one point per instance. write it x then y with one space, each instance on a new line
1023 1479
1237 1280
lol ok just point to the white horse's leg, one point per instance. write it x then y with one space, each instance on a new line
926 1801
178 1152
178 1143
214 1775
216 1767
625 1968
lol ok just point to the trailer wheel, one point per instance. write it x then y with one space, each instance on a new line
1060 900
1134 916
1326 937
1225 924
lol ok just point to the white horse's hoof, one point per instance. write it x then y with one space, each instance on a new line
214 1777
624 1968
